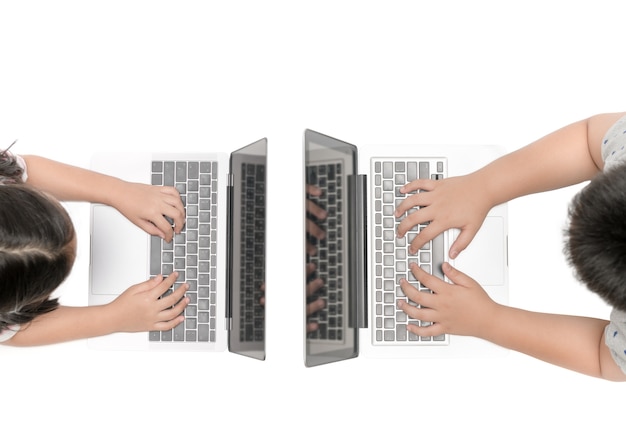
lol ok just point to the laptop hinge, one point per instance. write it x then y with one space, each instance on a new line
359 238
228 321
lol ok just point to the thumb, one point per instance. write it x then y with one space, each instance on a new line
149 284
462 241
456 276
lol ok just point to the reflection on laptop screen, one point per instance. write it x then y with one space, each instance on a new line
330 173
247 250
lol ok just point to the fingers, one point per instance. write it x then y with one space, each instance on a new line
314 286
313 190
172 316
168 216
418 184
315 306
420 187
427 234
314 230
463 240
424 297
312 327
174 208
315 210
173 299
417 217
171 305
161 284
421 304
456 276
168 223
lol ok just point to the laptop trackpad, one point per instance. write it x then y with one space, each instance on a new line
485 258
118 252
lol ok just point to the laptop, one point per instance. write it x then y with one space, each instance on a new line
220 252
360 259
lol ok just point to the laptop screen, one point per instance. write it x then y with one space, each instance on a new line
246 277
331 278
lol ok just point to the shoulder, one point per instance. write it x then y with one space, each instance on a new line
20 161
8 333
614 143
615 337
12 168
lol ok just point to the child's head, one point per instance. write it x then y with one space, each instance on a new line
37 251
595 241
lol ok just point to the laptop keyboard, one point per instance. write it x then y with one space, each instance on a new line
391 255
192 253
329 258
252 268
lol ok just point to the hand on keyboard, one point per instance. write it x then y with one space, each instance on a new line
315 219
314 306
141 308
461 307
455 202
314 214
148 207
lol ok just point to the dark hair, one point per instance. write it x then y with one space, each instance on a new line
36 253
595 241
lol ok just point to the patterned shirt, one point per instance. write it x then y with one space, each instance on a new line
613 153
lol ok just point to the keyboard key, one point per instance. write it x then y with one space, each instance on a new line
392 259
181 254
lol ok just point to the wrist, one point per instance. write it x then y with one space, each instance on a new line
485 192
112 192
109 319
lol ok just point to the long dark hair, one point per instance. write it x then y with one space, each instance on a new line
36 253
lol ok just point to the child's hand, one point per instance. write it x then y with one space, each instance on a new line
462 307
140 308
315 214
455 202
311 288
148 206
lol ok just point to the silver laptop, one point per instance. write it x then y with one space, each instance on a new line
361 260
220 253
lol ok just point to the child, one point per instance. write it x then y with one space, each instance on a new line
591 149
38 247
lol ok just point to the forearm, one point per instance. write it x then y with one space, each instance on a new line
572 342
565 157
70 183
65 324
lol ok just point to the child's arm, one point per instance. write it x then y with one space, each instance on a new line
138 309
565 157
464 308
144 205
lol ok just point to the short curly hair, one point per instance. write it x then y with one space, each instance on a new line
595 239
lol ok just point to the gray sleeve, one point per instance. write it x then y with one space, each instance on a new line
615 338
614 143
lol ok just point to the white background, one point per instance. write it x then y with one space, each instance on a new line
76 77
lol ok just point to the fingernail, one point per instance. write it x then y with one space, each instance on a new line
453 254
